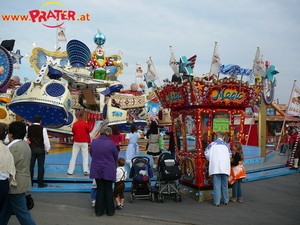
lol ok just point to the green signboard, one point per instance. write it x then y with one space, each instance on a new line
220 125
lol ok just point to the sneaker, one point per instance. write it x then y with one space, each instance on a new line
118 207
121 206
86 173
217 204
225 203
70 174
93 203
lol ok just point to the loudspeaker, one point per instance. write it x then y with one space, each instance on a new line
8 44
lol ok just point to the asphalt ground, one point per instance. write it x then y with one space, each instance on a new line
269 201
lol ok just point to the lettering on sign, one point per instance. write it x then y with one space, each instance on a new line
228 95
174 97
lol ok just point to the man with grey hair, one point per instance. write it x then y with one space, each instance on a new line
218 154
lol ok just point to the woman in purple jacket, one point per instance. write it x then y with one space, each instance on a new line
103 169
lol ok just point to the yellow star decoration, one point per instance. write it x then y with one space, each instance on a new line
199 86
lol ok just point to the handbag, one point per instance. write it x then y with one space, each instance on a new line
237 172
29 203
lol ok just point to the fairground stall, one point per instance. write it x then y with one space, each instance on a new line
199 109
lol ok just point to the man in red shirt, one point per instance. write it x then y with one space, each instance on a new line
81 141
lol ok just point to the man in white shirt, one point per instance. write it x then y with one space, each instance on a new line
40 146
218 154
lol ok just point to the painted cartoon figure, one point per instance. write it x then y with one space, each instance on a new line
1 70
99 63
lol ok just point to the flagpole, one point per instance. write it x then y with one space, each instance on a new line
135 71
284 120
155 70
56 45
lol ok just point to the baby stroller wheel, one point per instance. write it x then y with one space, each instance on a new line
162 198
178 198
131 198
152 197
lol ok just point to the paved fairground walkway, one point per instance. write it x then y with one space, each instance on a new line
271 194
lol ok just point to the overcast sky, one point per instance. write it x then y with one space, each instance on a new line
141 29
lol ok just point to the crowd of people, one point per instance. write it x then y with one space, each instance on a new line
28 144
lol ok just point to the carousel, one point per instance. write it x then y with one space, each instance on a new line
78 80
199 108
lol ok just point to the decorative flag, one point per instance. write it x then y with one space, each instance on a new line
139 71
61 37
193 61
294 104
151 73
216 61
259 68
185 66
173 64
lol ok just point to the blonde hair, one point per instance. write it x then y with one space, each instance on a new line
239 149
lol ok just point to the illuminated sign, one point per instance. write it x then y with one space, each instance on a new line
228 95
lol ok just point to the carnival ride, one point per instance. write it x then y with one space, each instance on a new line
78 80
190 106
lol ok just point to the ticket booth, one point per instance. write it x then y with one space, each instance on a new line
200 108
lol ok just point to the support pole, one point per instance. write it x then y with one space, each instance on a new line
262 123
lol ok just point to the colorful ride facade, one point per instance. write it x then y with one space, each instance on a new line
198 108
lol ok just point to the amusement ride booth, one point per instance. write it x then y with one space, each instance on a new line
199 109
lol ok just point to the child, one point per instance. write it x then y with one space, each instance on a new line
94 193
131 139
119 184
237 157
116 137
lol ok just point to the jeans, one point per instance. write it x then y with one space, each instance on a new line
220 182
284 147
39 155
237 189
85 156
16 203
104 198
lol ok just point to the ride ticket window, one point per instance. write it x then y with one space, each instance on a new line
213 123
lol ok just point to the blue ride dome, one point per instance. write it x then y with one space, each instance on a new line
78 53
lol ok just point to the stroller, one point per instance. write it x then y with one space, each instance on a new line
168 173
141 173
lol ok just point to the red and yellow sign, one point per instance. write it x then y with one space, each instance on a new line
227 95
173 97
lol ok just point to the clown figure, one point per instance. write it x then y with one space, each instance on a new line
99 63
